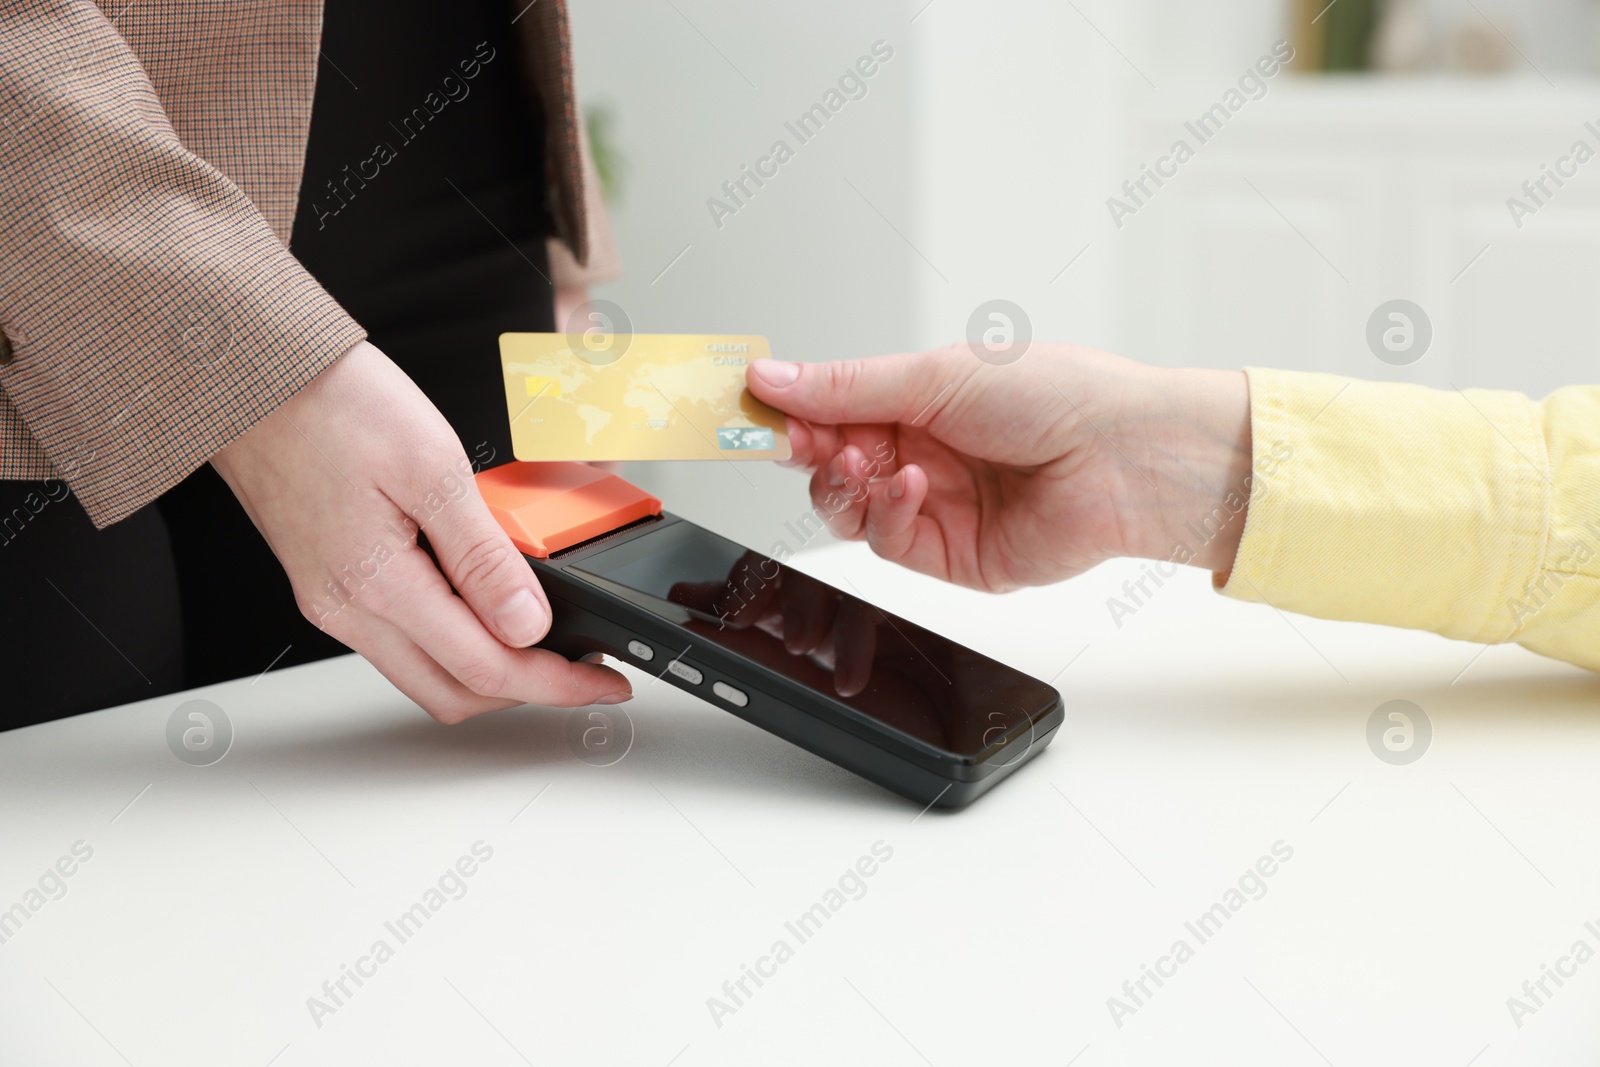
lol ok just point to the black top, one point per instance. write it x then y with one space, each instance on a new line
422 209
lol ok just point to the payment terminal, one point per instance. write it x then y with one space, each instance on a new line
874 693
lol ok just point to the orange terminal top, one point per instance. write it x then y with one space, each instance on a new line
545 507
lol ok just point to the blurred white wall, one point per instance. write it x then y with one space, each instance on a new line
1017 109
983 157
701 88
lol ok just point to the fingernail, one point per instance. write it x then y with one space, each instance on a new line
897 485
521 618
836 478
591 657
614 698
776 373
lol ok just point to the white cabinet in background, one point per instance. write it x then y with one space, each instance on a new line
1330 196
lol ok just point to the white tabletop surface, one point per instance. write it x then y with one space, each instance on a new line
617 900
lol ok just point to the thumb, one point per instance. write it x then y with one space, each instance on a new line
903 388
488 571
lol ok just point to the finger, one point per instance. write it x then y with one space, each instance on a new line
411 594
573 685
800 437
488 571
855 645
413 671
873 443
808 611
861 472
891 524
879 460
842 495
923 549
420 677
739 600
704 597
752 590
905 388
820 443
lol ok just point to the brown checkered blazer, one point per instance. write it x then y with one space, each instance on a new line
150 160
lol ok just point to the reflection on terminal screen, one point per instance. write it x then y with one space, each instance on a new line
884 666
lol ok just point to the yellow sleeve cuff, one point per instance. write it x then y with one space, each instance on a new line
1394 503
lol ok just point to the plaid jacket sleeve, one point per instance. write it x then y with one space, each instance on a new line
150 312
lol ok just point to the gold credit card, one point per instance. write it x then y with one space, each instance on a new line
600 396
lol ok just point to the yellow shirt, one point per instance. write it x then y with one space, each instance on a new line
1473 513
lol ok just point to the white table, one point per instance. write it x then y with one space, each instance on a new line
619 899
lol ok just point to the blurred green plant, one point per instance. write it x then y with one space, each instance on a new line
600 123
1347 39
